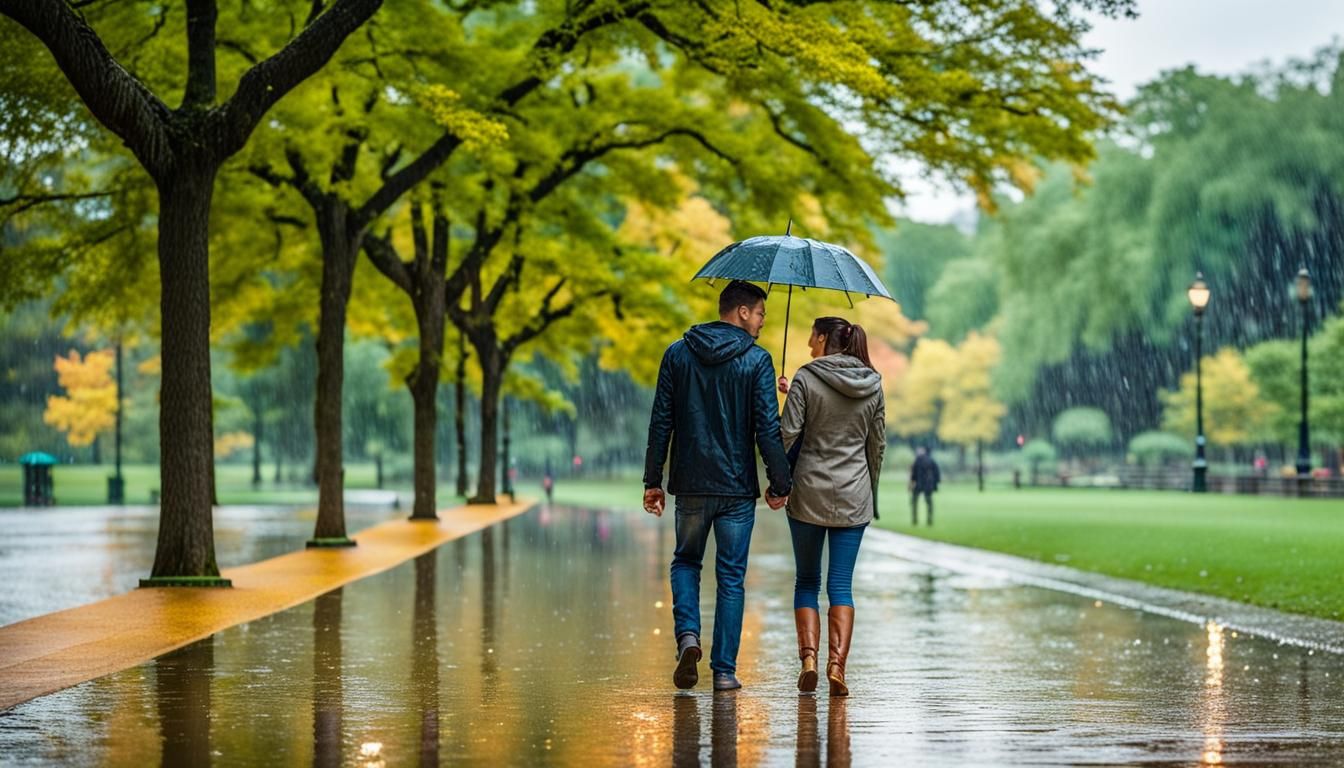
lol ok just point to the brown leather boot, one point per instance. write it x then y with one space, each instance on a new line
840 619
808 622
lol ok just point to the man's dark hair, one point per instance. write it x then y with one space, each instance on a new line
739 293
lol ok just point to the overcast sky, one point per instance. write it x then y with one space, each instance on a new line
1217 36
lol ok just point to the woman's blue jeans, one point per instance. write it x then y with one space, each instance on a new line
731 519
807 543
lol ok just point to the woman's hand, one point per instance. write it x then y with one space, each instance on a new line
783 385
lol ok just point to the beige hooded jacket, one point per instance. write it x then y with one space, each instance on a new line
836 404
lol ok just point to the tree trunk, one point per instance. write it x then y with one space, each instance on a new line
338 268
492 380
186 545
460 414
256 446
424 385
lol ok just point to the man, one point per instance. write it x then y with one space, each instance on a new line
715 405
924 477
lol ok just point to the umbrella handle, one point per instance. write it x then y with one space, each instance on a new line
785 354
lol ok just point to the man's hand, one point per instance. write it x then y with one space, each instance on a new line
783 385
654 501
776 502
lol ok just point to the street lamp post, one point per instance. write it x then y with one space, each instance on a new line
1198 293
1303 427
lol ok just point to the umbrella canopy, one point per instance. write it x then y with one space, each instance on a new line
788 260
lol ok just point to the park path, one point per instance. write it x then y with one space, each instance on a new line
544 640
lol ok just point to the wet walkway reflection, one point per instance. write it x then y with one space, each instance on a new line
545 641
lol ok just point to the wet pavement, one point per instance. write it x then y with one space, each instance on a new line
546 641
60 557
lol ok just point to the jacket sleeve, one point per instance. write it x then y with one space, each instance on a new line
660 426
765 416
876 446
795 413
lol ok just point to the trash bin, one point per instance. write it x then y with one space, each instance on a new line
38 486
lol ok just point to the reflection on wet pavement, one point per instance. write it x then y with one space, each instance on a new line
546 640
57 558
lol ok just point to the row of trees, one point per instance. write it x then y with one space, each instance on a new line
483 157
1082 283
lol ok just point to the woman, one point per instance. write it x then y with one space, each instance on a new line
834 423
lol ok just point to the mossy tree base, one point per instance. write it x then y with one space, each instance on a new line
185 581
331 543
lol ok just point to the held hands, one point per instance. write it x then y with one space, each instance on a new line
654 501
776 502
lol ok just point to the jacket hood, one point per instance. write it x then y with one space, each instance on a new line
847 375
717 342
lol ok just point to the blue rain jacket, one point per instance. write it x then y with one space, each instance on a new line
715 406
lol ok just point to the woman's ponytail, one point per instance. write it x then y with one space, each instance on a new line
843 336
856 344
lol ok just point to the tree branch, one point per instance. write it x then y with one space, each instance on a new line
414 172
383 255
546 317
238 48
115 97
561 39
266 83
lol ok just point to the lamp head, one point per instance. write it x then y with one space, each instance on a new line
1198 293
1303 285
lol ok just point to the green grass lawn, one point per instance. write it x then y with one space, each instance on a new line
1279 553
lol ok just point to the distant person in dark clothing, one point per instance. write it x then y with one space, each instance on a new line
715 406
924 478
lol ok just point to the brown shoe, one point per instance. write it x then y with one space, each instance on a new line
808 623
840 619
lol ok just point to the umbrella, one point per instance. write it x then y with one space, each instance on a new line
788 260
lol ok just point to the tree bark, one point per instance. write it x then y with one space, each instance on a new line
256 444
492 383
186 545
424 385
460 414
338 270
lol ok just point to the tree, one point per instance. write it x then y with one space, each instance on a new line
917 408
1234 412
1327 382
964 299
182 150
970 414
1275 368
1083 431
1038 452
90 405
1093 276
1155 449
346 199
916 255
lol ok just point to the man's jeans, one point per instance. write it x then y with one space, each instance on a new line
731 519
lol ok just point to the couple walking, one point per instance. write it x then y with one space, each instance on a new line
715 406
